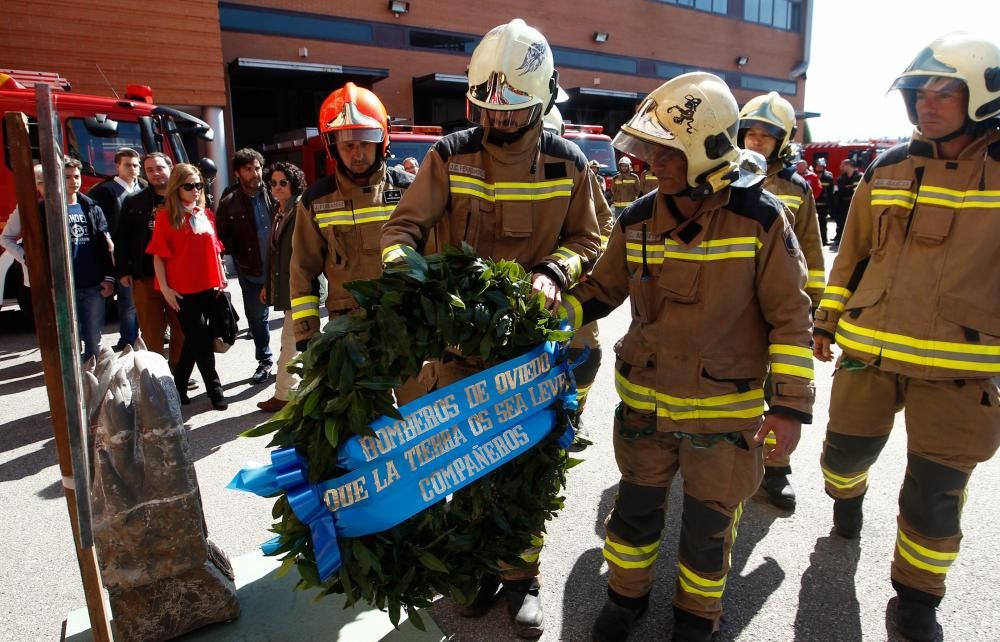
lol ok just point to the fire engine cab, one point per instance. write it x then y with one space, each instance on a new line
596 145
862 153
93 127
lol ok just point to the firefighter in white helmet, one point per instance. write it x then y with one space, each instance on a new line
511 191
914 303
587 337
767 126
716 284
625 186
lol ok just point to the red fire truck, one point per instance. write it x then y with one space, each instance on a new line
305 148
596 145
862 153
92 129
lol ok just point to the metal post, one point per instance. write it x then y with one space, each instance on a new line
55 326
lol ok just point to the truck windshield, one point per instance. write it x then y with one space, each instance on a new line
98 153
597 149
402 149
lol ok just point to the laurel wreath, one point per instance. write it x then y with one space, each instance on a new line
416 309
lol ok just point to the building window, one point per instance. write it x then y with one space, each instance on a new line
669 70
292 23
600 62
711 6
757 83
782 14
442 42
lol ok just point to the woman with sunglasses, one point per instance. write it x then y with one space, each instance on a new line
287 182
189 273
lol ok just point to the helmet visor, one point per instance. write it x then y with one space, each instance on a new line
507 120
364 135
933 83
641 148
497 91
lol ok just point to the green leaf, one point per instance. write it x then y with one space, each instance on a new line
331 428
414 617
309 573
286 566
431 562
394 613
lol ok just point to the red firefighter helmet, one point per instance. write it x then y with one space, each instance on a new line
354 113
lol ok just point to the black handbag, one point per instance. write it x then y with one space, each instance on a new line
224 322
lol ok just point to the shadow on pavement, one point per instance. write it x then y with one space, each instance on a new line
21 377
830 580
24 431
586 584
30 463
206 439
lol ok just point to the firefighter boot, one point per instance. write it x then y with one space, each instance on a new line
779 490
688 627
525 606
618 617
582 437
916 613
489 586
848 517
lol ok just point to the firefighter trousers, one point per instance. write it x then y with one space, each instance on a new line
585 337
951 426
717 480
784 462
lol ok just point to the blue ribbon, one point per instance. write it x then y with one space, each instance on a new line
415 465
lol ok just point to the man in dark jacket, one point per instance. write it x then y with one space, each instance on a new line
243 223
110 195
135 268
90 251
847 182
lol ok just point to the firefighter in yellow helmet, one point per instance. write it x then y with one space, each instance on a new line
767 126
914 303
625 186
511 191
587 337
339 216
716 283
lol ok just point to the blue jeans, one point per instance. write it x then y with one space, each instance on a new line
256 313
90 314
128 323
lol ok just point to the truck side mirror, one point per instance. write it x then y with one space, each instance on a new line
208 169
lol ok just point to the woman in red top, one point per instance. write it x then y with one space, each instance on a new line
189 273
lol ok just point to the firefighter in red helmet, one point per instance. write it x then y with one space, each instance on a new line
339 217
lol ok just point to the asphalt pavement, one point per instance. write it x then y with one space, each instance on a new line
791 579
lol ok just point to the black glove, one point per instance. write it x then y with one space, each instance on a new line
302 345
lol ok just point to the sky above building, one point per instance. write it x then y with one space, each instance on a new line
858 49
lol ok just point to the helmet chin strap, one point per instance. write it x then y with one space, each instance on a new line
961 131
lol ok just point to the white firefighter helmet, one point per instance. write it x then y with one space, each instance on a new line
625 162
776 117
553 121
512 71
696 114
965 57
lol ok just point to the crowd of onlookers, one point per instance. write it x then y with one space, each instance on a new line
833 195
148 236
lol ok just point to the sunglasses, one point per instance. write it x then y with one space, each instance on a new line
190 187
281 182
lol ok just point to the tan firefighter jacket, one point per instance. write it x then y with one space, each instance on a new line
716 300
915 288
587 335
337 229
529 201
624 189
649 182
793 190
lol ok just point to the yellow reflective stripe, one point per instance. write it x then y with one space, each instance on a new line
531 555
771 439
793 202
841 482
791 360
933 195
621 203
301 314
339 217
716 250
570 261
604 242
304 306
923 557
631 556
392 253
900 197
817 279
691 582
574 311
510 191
925 352
739 405
305 299
376 214
835 298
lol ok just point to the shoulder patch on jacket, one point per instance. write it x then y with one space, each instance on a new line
755 203
325 185
559 147
640 210
555 170
398 177
892 156
466 141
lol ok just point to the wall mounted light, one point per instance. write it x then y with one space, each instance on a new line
742 60
600 36
399 7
